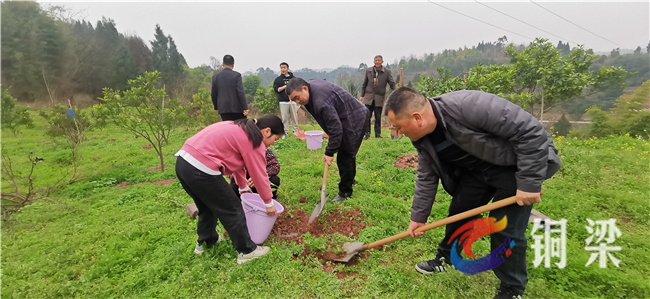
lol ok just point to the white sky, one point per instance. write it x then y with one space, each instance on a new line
331 34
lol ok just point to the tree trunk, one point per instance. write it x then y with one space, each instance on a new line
160 154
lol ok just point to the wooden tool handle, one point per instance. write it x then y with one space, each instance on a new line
400 77
473 212
293 112
327 168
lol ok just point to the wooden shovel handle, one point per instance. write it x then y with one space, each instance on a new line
473 212
293 112
327 168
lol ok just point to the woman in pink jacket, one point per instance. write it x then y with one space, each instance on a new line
224 149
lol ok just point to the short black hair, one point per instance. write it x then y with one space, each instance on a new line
379 56
295 84
228 59
402 99
284 63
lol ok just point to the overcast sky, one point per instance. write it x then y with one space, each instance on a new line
329 34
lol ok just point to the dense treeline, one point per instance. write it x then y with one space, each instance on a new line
47 57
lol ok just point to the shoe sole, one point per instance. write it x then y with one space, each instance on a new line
423 271
198 252
239 262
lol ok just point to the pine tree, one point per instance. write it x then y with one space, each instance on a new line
125 68
159 49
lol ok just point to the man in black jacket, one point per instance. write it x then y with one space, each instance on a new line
228 95
342 117
481 147
279 84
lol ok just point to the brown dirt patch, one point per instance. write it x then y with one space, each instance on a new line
407 161
303 199
290 227
123 185
157 167
147 147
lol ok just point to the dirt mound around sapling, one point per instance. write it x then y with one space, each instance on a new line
407 161
292 225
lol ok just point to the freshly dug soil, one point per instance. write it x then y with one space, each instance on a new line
291 228
345 222
407 161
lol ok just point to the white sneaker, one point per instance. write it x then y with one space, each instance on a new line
259 251
199 249
284 136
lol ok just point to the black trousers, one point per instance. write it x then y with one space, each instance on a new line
377 110
232 116
215 201
475 189
346 160
275 183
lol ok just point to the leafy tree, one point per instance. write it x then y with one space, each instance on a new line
144 111
72 129
599 126
637 50
629 108
195 79
562 127
266 101
251 84
431 87
205 114
33 50
550 79
13 117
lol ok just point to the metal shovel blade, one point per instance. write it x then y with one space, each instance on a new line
351 249
319 207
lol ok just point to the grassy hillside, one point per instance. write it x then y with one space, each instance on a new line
92 240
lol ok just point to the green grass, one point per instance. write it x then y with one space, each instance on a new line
89 240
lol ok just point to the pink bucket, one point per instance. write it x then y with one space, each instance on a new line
259 224
314 139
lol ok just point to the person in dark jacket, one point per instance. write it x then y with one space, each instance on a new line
481 147
228 95
279 84
341 116
373 91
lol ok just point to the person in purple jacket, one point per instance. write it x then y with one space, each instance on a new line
342 117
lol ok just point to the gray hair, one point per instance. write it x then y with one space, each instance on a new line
379 56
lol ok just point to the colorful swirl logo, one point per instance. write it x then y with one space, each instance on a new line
467 234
